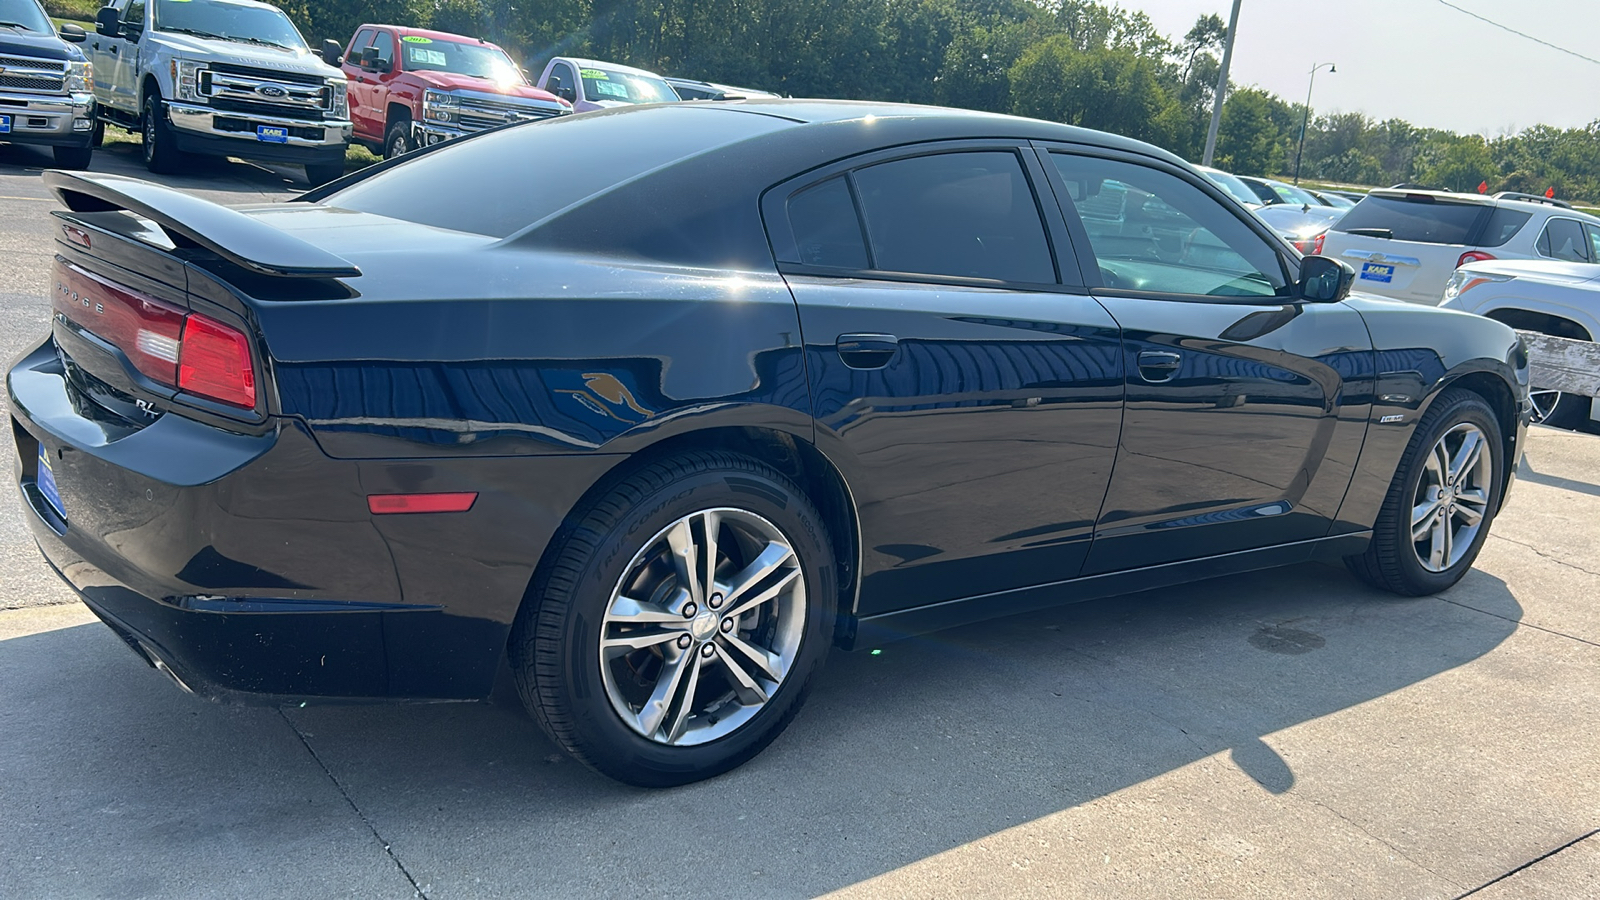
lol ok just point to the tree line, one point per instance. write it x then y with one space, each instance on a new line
1075 61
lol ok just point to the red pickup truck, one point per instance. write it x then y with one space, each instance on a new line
410 88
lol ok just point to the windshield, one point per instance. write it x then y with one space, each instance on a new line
1235 188
604 84
247 23
477 60
25 14
1292 194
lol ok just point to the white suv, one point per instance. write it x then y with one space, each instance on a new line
1405 244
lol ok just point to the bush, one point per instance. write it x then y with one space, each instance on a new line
77 10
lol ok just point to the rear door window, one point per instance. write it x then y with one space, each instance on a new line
968 214
1423 221
1564 239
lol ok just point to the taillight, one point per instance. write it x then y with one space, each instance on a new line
1317 250
214 362
1310 246
1473 256
167 344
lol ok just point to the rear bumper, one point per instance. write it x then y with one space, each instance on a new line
59 120
249 565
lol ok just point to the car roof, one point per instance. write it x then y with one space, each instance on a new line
406 31
608 66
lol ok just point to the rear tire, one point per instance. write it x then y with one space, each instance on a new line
160 156
638 673
1438 485
398 141
76 158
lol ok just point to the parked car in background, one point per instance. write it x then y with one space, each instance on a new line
1302 226
221 78
590 85
1406 243
1554 297
1272 192
47 90
1329 198
748 381
1236 189
690 89
412 88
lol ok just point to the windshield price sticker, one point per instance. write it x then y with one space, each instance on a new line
601 74
413 39
425 57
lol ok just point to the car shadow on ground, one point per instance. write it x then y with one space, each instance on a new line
202 174
926 746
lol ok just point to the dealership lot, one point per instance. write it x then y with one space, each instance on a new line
1287 733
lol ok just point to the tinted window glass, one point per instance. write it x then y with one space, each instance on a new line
498 183
363 38
1594 242
560 77
1423 222
970 215
385 44
134 17
1564 239
826 230
1153 231
1236 189
1503 224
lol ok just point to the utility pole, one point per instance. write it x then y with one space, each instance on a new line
1305 116
1222 86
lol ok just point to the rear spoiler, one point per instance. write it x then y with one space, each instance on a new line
232 235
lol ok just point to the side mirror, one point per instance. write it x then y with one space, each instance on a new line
73 33
367 58
105 21
568 94
1324 280
332 52
383 64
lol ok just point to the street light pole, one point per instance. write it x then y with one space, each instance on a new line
1222 86
1305 117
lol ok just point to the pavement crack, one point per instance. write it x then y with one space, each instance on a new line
1521 623
1530 863
351 801
1555 559
1401 853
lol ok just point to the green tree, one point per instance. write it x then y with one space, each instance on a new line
1110 89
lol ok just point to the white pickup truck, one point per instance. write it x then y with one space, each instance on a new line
219 77
590 85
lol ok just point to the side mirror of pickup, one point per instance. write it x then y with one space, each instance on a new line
568 94
332 53
105 22
73 34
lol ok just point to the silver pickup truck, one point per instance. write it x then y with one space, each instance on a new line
223 78
44 85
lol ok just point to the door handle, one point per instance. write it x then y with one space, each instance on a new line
867 351
1157 366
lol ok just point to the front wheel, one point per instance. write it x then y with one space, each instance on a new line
76 158
160 156
1437 513
320 174
677 627
398 141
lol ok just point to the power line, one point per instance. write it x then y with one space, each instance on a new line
1520 33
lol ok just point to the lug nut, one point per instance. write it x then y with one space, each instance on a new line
727 625
689 609
685 641
708 650
716 601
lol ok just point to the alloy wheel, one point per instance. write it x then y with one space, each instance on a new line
1544 404
1451 501
703 627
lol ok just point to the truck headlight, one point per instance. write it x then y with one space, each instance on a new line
186 80
80 77
438 106
338 98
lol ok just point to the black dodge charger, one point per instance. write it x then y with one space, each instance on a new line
658 404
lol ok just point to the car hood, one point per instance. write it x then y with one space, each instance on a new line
37 46
450 81
1551 270
1296 222
299 61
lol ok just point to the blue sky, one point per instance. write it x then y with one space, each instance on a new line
1414 59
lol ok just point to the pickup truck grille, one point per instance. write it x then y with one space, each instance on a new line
477 114
241 89
19 73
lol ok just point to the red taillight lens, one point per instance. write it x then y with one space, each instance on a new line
214 362
1473 256
1316 249
145 328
